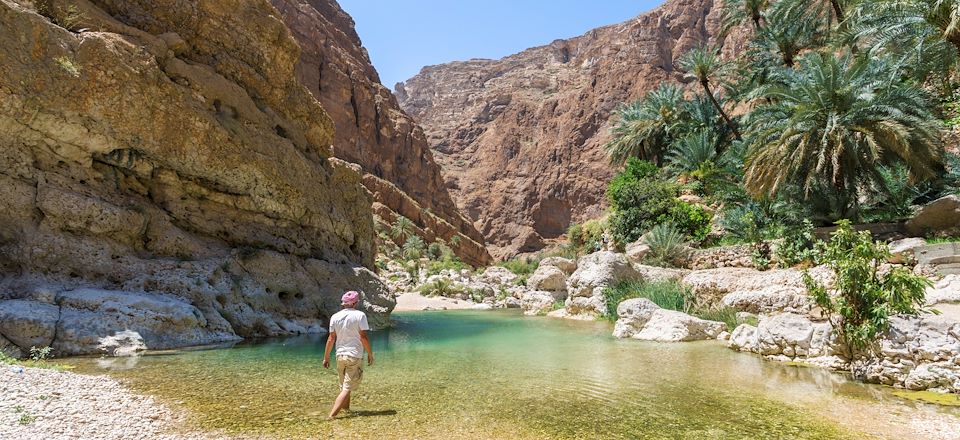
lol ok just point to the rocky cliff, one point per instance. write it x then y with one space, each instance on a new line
371 130
520 139
165 178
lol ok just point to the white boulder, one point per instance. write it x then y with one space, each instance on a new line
565 264
537 303
643 320
549 279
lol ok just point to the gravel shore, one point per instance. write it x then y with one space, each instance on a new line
51 405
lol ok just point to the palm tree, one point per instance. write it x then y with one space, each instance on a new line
924 36
703 64
735 12
832 126
693 154
645 128
401 230
793 29
412 248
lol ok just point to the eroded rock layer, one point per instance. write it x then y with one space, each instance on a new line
520 139
371 130
163 171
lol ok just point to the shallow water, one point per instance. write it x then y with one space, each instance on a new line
500 375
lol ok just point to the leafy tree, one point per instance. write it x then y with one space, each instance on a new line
645 128
704 65
866 294
834 124
792 30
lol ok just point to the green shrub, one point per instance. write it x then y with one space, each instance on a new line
667 294
521 266
691 219
439 287
893 196
435 267
866 295
638 206
797 246
667 245
575 235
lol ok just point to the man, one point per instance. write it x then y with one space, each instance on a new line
348 329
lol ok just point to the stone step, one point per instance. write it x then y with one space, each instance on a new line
945 253
948 269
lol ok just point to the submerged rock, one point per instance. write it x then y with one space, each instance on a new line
642 319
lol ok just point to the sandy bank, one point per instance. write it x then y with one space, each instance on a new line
413 301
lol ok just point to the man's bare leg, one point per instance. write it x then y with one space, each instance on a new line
346 405
342 399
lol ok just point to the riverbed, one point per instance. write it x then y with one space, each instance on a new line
466 374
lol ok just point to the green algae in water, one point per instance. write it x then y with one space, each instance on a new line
944 399
490 375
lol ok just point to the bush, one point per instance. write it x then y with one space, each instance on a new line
667 245
521 266
435 267
575 235
691 219
797 246
866 296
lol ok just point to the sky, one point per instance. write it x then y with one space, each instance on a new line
404 35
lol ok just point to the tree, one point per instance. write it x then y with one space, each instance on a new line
921 36
413 248
735 12
834 123
401 230
703 65
866 295
645 128
792 30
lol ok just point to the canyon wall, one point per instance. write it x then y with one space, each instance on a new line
165 180
520 139
372 131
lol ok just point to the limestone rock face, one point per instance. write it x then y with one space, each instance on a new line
940 216
641 319
750 290
520 139
171 162
371 129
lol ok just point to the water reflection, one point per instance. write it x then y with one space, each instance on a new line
499 375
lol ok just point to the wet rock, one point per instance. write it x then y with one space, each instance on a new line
123 344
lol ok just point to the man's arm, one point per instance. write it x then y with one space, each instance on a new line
366 346
332 339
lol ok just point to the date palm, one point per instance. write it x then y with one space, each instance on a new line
646 128
792 30
401 230
736 12
922 35
834 124
704 65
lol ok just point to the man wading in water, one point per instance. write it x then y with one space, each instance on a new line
348 329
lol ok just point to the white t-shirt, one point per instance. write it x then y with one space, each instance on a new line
347 324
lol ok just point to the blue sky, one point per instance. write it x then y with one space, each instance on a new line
404 35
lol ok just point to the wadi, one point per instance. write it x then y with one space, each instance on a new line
709 219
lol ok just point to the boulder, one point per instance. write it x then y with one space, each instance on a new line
549 279
940 216
743 338
123 344
537 303
28 323
565 264
512 303
794 335
599 270
643 320
946 290
10 349
637 251
88 317
902 251
498 275
660 274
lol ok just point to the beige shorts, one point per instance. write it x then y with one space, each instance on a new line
350 370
